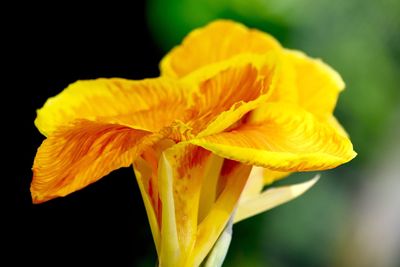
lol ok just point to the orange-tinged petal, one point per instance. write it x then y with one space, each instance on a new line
144 177
224 94
170 249
138 104
217 41
146 169
225 98
271 198
318 84
79 154
186 166
234 176
284 138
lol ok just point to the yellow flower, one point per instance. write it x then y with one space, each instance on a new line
229 98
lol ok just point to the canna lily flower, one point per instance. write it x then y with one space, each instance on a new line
232 112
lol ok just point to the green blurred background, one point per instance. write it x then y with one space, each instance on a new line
352 216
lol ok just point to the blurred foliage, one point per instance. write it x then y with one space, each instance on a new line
171 20
361 40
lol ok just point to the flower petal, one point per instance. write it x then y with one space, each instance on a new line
73 157
282 137
219 40
258 178
170 248
145 179
254 184
318 84
335 124
270 176
138 104
271 198
147 174
225 98
234 176
218 253
187 165
209 188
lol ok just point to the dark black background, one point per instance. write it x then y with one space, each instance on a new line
49 47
